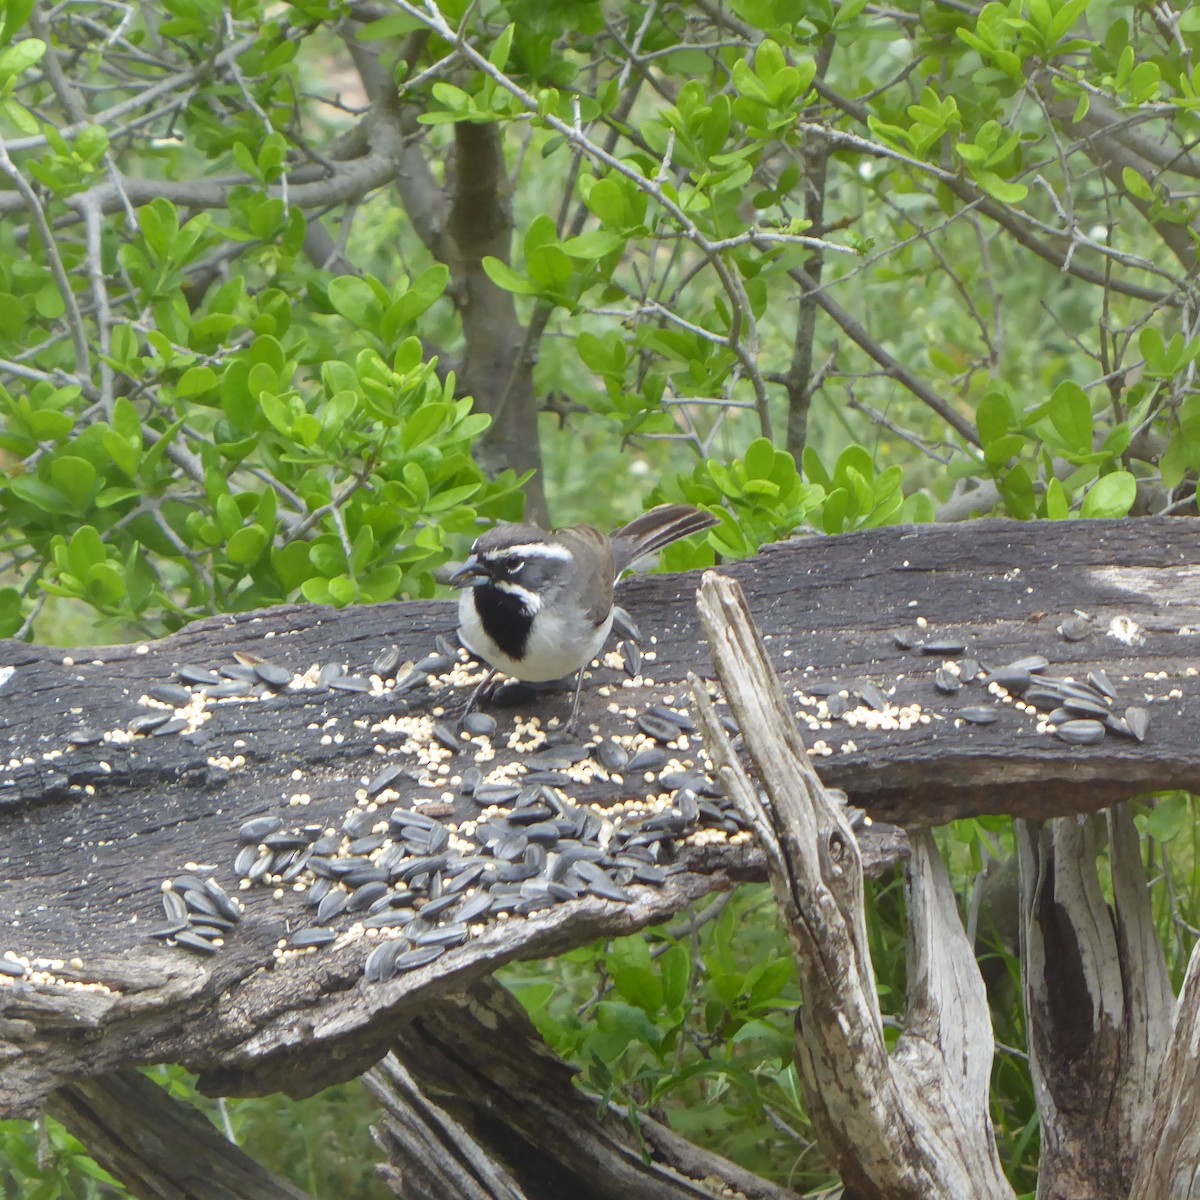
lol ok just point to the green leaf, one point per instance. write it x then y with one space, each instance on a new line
1169 817
74 477
503 276
245 546
1071 416
20 57
1111 495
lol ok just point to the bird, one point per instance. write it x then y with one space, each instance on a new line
538 605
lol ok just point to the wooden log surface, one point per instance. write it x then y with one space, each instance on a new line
91 830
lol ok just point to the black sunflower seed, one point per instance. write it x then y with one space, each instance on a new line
328 673
445 736
608 889
390 918
661 729
471 779
365 845
837 705
244 861
548 778
557 758
319 889
201 676
473 907
426 864
200 902
413 679
227 689
478 724
1081 733
1085 707
273 675
331 905
947 647
1012 679
1074 629
906 639
872 697
435 664
285 839
172 694
386 662
968 669
349 683
191 940
257 828
444 935
1042 696
358 823
946 681
979 716
631 657
313 936
1138 720
161 932
1101 682
262 866
85 737
1031 662
433 909
496 793
422 956
381 962
384 778
174 906
612 756
225 905
368 873
167 728
649 758
366 895
149 721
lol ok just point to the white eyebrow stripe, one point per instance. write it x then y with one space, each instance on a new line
532 550
533 601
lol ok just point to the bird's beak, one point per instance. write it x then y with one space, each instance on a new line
471 574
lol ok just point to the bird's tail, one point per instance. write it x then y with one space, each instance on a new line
655 529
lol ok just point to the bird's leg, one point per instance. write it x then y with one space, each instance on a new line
477 693
578 692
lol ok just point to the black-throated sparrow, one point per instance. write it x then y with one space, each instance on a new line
539 605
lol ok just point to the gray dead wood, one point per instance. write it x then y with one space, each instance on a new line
159 1147
90 831
499 1097
912 1126
1098 1004
1169 1165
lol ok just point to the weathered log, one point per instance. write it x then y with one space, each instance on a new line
90 830
478 1059
1098 1003
159 1147
912 1126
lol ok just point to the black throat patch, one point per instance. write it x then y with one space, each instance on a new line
505 619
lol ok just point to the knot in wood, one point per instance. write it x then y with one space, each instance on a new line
836 851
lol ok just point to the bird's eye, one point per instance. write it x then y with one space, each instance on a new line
517 567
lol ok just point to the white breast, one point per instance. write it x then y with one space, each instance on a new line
555 647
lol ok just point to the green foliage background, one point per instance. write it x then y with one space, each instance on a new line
808 265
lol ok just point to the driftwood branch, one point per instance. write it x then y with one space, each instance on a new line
506 1100
914 1126
92 828
1098 1003
159 1147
